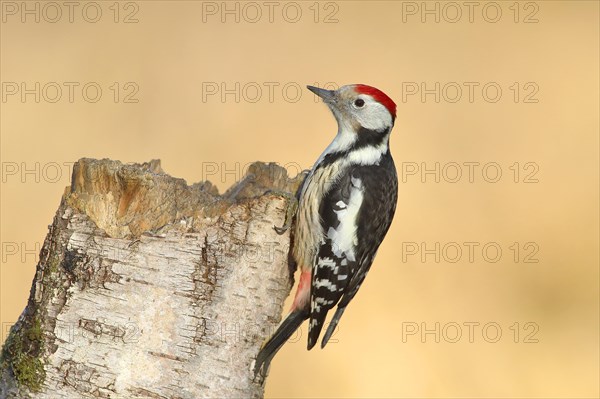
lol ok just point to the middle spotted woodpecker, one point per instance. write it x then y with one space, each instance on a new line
345 209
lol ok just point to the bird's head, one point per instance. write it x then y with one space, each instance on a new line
357 107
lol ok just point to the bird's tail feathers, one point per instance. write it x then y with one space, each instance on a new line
332 326
285 329
314 327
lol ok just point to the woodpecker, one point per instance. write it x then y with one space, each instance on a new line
345 208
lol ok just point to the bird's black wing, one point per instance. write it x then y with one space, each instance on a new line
374 220
334 264
355 216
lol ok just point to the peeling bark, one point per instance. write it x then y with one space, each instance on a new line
149 288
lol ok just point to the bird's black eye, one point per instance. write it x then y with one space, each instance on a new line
359 102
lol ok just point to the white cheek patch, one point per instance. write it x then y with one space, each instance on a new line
374 116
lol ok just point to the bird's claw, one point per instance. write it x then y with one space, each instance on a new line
280 230
290 212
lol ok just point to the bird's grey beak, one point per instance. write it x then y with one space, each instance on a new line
327 95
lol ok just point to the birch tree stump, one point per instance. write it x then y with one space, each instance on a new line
149 288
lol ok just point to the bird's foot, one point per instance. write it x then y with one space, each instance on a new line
290 212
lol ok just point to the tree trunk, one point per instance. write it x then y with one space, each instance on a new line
149 288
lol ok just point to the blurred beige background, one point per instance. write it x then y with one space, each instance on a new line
541 132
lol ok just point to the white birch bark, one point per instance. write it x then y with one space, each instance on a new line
149 288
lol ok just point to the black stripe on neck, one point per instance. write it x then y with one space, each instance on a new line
369 138
366 138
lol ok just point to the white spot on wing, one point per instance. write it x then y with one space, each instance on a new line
326 262
324 283
343 239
